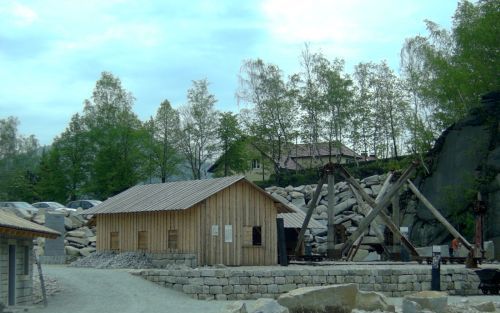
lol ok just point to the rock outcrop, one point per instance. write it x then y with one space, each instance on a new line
464 160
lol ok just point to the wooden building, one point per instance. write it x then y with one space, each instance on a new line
226 220
298 157
16 257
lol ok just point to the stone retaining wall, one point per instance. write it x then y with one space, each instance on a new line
166 259
239 284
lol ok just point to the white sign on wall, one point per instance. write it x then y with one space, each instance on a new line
228 233
215 230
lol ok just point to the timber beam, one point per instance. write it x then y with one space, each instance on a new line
310 209
439 217
378 207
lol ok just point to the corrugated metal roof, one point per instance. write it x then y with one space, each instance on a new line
10 220
295 220
171 196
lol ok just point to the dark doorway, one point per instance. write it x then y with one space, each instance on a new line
12 275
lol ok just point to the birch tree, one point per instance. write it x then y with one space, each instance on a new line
198 137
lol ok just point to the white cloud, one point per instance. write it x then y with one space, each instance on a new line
24 14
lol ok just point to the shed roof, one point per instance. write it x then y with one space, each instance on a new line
170 196
296 219
13 224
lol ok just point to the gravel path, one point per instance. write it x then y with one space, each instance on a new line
86 290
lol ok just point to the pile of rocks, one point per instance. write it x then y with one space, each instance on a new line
108 259
51 287
348 214
79 240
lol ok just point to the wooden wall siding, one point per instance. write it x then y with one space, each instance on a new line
156 224
238 205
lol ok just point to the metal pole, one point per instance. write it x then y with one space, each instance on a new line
283 258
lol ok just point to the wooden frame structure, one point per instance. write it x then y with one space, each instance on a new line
375 209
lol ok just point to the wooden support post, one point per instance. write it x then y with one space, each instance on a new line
383 213
376 230
384 202
395 217
439 217
309 213
42 280
330 238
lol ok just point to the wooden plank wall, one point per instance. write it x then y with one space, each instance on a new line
239 205
157 224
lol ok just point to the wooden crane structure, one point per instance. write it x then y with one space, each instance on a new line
373 209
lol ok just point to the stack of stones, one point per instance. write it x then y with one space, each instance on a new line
80 239
348 213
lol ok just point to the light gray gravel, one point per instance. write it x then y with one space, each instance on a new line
86 290
107 259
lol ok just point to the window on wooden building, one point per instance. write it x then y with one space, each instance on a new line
142 240
252 236
114 241
172 238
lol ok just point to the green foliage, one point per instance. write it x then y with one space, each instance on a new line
361 170
457 66
199 127
115 137
271 122
53 181
18 159
164 141
233 145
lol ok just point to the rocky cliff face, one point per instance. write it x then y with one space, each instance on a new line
465 160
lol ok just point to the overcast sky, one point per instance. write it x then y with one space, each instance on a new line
52 52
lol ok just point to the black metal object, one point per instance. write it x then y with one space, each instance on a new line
490 280
436 272
283 258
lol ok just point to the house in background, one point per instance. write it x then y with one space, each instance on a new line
16 257
299 157
226 221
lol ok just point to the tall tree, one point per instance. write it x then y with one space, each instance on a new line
337 97
310 102
73 151
52 180
18 159
362 117
274 109
166 127
199 127
114 132
232 145
461 64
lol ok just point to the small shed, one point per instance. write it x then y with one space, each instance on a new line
226 220
16 257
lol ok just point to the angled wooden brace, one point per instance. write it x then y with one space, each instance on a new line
377 208
310 210
438 216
